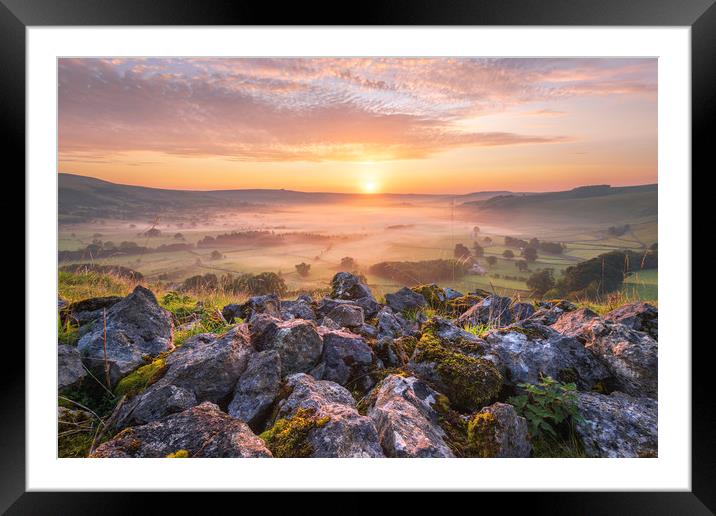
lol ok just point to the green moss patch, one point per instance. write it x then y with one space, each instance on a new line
289 436
137 381
481 431
469 382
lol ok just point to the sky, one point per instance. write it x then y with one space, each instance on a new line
363 125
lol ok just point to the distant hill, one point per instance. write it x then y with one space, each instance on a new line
82 198
595 203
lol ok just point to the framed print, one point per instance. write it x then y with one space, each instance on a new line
416 252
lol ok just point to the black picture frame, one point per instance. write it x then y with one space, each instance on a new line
700 15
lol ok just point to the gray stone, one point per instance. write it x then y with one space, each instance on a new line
346 433
406 422
257 388
502 434
638 316
347 359
524 352
268 304
404 300
70 372
201 431
204 368
297 342
136 328
347 316
493 310
618 425
299 309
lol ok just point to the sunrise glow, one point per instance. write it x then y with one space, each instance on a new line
450 125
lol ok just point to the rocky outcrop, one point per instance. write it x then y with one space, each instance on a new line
631 356
257 388
347 316
297 342
498 431
493 310
405 300
70 372
136 328
299 309
617 425
347 286
637 316
407 424
204 368
319 419
347 360
88 310
525 352
201 431
453 369
268 304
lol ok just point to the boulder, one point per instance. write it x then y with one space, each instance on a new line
297 341
522 311
407 424
525 351
369 305
347 359
498 431
136 328
394 352
204 368
347 316
637 316
452 368
320 419
70 372
434 296
493 311
88 310
201 431
299 309
257 388
268 304
571 323
448 332
617 425
631 356
345 285
550 311
391 325
404 300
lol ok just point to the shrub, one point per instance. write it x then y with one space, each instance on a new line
547 405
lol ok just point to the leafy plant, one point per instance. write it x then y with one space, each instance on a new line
547 405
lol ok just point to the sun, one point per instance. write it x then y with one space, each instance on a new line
370 187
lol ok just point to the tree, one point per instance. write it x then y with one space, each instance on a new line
303 269
216 255
348 264
475 231
461 251
530 254
478 250
491 260
508 254
541 282
522 265
178 236
487 240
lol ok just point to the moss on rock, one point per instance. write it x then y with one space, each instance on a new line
289 436
179 454
481 431
469 382
140 379
434 295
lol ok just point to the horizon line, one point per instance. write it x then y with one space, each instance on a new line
363 194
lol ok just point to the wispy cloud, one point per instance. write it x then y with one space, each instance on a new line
317 109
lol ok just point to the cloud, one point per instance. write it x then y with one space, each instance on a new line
315 109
